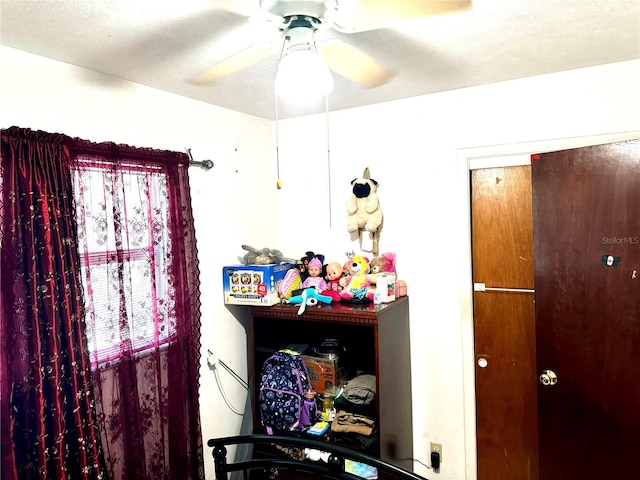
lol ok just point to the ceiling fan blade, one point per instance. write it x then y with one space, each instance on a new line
240 61
362 15
246 8
353 64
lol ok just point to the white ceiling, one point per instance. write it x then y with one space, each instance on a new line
163 43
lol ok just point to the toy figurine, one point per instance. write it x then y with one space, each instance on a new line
333 275
310 297
303 263
315 280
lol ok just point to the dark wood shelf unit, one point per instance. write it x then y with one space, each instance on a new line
376 341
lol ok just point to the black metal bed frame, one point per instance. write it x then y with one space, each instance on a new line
271 467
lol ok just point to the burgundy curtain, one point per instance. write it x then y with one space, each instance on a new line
48 417
137 241
100 325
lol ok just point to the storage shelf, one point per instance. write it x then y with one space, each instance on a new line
376 339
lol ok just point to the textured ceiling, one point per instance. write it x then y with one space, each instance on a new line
163 43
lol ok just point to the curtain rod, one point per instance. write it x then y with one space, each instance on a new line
206 164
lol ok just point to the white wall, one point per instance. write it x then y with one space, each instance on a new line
417 149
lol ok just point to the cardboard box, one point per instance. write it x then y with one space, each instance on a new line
325 374
253 284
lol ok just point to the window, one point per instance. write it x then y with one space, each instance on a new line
125 250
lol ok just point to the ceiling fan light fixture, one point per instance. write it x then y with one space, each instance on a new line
303 76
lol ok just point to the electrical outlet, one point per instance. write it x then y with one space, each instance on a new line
437 448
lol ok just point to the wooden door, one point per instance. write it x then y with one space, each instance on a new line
586 205
504 324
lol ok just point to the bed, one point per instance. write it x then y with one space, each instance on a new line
289 457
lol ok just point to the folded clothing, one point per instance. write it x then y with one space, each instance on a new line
361 389
366 409
366 443
347 422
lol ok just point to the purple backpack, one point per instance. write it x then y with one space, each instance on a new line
284 383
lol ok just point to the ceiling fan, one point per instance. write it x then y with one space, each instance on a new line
296 22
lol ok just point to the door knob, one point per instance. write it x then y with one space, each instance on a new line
548 378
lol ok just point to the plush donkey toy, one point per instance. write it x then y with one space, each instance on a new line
363 207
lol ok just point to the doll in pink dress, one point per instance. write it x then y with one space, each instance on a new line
315 280
333 275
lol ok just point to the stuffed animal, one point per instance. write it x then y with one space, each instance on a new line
265 256
384 263
359 286
346 268
363 208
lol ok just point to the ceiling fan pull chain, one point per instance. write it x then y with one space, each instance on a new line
275 106
326 113
278 180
